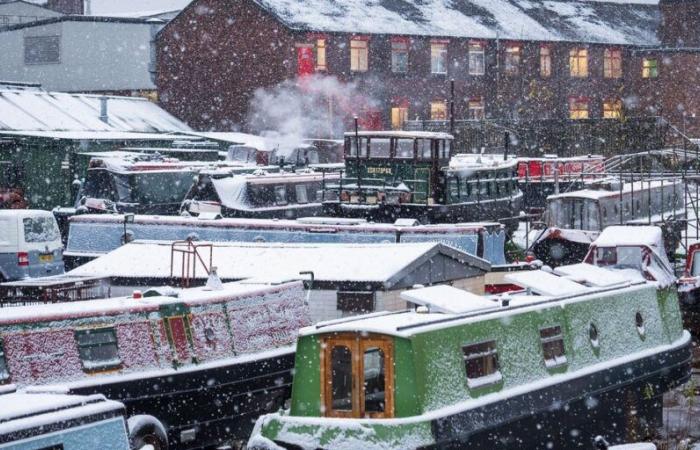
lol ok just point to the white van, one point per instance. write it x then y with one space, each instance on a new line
30 244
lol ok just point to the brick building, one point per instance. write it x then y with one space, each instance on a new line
547 59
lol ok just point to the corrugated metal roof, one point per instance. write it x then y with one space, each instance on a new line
38 110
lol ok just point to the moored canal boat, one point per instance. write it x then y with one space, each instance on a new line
550 366
193 367
574 220
400 174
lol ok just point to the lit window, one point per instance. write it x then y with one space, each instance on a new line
481 363
553 346
399 116
612 109
512 62
476 108
650 68
320 54
359 51
477 65
612 63
578 62
399 55
578 108
98 348
438 110
438 57
4 371
545 61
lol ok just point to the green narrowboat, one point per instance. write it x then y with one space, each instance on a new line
549 365
401 174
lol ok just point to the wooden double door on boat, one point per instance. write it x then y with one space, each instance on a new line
357 374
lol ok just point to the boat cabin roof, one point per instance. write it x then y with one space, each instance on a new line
637 236
597 194
401 134
21 405
474 161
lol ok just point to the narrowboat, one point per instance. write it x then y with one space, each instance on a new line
283 195
551 365
193 367
93 235
45 421
400 174
573 220
541 177
689 289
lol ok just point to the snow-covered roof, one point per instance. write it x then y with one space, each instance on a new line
378 263
37 111
545 283
448 299
231 137
633 23
596 194
591 275
469 161
401 134
615 236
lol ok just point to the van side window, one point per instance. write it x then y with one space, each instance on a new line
553 346
98 348
481 363
4 371
40 229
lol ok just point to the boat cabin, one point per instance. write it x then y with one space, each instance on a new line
469 371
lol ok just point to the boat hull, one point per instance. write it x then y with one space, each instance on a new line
619 402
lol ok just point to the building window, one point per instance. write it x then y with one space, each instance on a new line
512 62
545 61
476 108
578 62
355 301
578 108
481 363
320 49
359 55
399 116
42 50
612 63
650 68
612 109
98 348
438 57
399 55
438 110
553 346
477 60
4 371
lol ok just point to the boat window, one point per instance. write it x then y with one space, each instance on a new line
577 214
639 322
301 193
40 229
606 256
629 257
374 386
453 186
481 360
98 348
695 270
4 371
380 148
281 194
156 187
639 207
423 148
404 148
593 335
341 378
553 346
353 146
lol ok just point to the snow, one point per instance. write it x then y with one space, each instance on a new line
448 299
475 383
636 187
235 261
250 140
470 161
591 275
21 404
401 134
576 21
544 283
232 191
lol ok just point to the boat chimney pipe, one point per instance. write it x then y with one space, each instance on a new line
104 114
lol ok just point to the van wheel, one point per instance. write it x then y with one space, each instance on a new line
147 431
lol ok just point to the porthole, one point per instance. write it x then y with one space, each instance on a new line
593 335
639 321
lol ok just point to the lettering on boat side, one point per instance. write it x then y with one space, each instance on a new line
379 170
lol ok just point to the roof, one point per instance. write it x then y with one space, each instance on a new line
41 113
615 236
250 140
633 23
74 18
401 134
596 194
273 261
448 299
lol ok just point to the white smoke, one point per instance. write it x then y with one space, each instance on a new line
314 106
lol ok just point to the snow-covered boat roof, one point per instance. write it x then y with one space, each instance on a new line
401 134
232 137
118 305
561 158
597 194
591 275
631 23
61 115
545 283
641 235
470 161
376 263
447 299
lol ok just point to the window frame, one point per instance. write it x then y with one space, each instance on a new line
578 62
320 48
545 61
557 336
435 103
576 113
476 50
4 367
301 188
649 70
476 108
487 379
512 58
97 366
612 63
402 116
612 108
396 42
277 189
439 56
356 53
